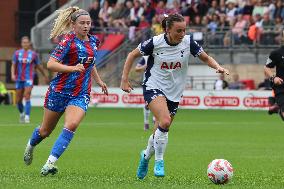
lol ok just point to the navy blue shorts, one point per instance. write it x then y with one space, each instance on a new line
58 102
151 94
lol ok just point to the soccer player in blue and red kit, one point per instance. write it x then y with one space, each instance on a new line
69 92
24 62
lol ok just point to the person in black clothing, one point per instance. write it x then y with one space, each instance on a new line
276 59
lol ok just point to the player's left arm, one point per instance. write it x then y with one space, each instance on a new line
99 81
271 62
211 62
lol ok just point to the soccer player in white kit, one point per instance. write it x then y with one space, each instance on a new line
164 82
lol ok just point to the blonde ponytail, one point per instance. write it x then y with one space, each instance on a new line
62 22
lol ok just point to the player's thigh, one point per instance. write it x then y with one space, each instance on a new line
49 122
159 108
73 116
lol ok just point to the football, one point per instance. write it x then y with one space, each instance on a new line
220 171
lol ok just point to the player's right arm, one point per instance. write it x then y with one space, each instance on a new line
125 84
143 49
57 56
55 66
13 68
13 75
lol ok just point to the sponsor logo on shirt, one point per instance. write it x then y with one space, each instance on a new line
170 65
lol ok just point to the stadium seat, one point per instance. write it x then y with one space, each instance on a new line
110 43
249 84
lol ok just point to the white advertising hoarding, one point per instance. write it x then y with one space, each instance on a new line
192 99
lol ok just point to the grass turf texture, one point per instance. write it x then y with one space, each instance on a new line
105 150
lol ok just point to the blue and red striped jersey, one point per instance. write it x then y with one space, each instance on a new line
25 62
72 51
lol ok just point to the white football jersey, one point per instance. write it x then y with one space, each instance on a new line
167 64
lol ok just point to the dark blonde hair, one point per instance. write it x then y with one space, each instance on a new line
62 23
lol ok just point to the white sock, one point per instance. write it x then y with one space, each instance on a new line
51 159
146 115
160 144
27 117
150 148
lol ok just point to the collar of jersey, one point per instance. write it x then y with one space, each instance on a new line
167 41
91 38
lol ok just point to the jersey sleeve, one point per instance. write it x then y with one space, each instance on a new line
271 60
195 48
61 49
146 48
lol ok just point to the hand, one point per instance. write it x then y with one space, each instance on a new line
104 87
222 70
78 68
126 86
277 81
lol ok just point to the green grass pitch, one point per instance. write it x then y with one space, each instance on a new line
105 150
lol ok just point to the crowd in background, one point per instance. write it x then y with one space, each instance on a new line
247 20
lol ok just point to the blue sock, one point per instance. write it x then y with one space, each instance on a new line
62 143
28 107
36 138
20 107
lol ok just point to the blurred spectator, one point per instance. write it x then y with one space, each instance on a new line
175 8
118 15
223 36
94 14
214 8
247 9
161 10
267 36
278 30
222 7
259 8
231 10
212 27
238 29
136 13
236 84
221 83
3 94
201 7
156 26
279 10
105 12
149 12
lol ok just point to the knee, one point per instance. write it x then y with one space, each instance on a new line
165 122
27 97
72 125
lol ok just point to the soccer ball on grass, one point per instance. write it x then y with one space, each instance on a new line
220 171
